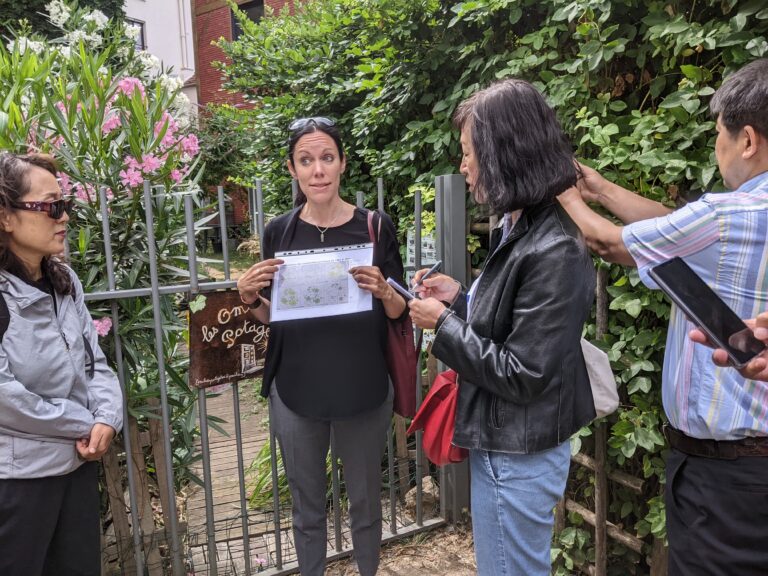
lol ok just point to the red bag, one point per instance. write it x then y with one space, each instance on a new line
402 358
402 354
437 417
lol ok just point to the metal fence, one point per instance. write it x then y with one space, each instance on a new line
244 540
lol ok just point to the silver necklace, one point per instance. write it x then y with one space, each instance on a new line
324 230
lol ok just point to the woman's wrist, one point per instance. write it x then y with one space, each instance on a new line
455 294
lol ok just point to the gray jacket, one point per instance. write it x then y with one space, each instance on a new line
47 401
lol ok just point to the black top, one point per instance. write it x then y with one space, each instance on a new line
332 367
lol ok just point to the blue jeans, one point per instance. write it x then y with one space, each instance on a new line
513 497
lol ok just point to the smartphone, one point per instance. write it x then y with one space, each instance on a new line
707 310
405 293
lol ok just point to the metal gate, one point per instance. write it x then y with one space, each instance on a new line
241 540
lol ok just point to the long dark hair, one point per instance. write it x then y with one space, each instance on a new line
523 155
14 186
331 130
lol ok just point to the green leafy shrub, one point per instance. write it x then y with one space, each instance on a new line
630 80
113 118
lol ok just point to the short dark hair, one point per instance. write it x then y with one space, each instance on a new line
331 130
742 99
14 186
523 155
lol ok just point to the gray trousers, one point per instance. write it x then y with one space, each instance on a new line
359 442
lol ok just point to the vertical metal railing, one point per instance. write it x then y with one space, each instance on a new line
450 217
176 547
111 285
176 560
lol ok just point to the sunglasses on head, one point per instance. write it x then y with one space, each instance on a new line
301 123
54 209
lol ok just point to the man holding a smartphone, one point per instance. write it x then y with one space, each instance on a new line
757 368
717 468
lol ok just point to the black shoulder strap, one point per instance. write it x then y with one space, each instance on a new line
5 316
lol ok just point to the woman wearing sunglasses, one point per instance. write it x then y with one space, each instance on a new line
514 339
60 404
327 377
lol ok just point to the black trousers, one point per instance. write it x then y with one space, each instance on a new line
717 515
360 443
50 526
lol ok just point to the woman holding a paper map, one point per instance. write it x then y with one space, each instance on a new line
514 339
323 291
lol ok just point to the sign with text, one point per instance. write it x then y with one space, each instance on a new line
227 343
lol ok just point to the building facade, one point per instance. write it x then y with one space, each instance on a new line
165 30
213 19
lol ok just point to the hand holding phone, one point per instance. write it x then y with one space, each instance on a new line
707 310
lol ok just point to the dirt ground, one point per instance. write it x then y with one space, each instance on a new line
445 551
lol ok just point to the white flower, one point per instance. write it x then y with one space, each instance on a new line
74 37
59 12
183 110
98 18
170 83
123 51
149 63
23 43
95 40
131 32
65 52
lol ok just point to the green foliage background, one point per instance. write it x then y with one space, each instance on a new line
11 11
630 80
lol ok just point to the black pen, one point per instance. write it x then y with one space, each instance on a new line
432 270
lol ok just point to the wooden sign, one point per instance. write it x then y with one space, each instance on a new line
227 343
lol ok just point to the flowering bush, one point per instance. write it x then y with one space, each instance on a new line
114 118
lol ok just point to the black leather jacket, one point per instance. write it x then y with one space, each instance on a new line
523 384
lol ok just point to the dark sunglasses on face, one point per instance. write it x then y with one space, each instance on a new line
301 123
54 209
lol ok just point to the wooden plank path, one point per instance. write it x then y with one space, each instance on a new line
225 487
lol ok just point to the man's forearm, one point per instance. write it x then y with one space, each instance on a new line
630 207
603 236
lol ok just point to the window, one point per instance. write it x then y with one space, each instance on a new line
255 12
141 37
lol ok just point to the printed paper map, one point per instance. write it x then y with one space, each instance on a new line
316 283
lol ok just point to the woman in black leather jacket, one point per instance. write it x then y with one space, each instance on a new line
514 337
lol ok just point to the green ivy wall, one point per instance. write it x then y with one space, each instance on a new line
630 80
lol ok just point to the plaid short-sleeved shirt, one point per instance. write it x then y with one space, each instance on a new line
724 238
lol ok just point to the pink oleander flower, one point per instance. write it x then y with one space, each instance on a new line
131 177
170 134
129 84
177 175
190 145
85 192
65 183
103 326
110 124
151 163
132 164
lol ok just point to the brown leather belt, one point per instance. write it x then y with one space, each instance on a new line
718 449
